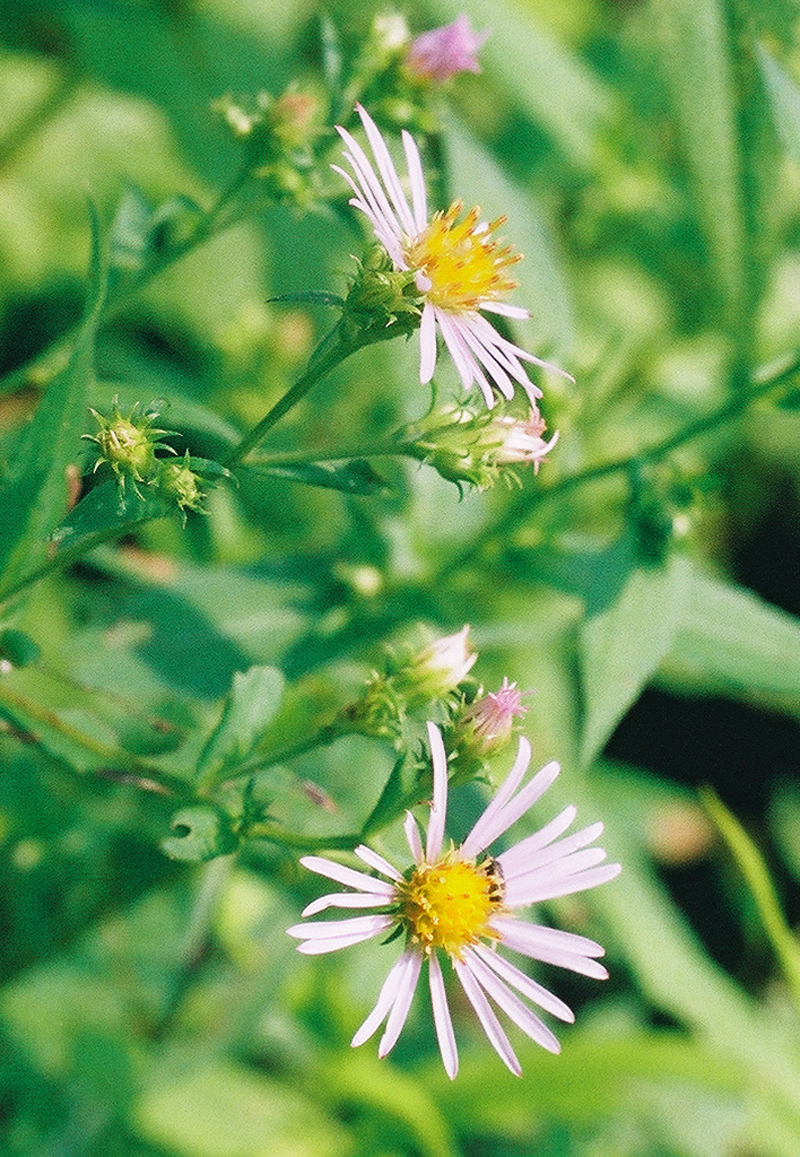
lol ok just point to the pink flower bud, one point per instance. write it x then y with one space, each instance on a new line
441 53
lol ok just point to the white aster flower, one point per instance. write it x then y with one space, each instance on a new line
462 902
459 269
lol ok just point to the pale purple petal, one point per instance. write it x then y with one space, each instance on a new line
441 1018
433 847
506 309
348 876
524 983
491 1025
469 371
552 946
387 170
427 344
412 835
478 839
343 900
370 186
532 890
406 986
377 862
522 802
515 858
484 355
332 943
332 929
511 1005
419 197
386 998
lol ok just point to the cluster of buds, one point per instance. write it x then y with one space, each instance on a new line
128 444
412 680
477 448
382 301
278 135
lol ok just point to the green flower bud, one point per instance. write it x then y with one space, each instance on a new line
128 443
177 481
382 297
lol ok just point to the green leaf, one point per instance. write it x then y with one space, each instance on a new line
355 476
784 100
34 493
107 512
695 53
201 833
622 647
249 709
730 642
388 805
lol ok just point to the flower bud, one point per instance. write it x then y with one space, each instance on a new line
484 726
381 297
177 480
436 671
128 444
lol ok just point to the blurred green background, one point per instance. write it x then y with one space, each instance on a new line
647 155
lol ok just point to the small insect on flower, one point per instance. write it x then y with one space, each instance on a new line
461 903
458 266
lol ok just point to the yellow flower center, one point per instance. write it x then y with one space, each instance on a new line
461 261
448 905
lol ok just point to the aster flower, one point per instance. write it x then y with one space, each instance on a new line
462 902
522 440
443 52
459 269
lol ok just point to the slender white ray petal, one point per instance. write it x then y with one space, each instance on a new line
515 859
441 1018
348 876
561 849
386 998
468 369
439 804
524 983
521 893
328 929
419 197
475 841
522 938
343 900
427 343
523 801
506 309
405 992
511 1004
412 835
486 358
367 178
491 1025
377 862
387 170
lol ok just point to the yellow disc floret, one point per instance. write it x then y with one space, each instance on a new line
448 904
460 260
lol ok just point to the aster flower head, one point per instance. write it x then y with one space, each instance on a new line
461 902
460 270
443 52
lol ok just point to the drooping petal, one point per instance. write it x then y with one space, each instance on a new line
489 1022
386 998
511 1005
427 344
524 983
343 900
441 1018
406 986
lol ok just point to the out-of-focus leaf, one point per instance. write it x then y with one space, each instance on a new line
784 99
542 288
220 1109
544 77
622 646
201 833
34 493
386 807
756 874
695 53
249 709
355 476
140 232
730 642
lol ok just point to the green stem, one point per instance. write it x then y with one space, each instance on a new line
122 766
331 351
338 454
320 738
763 382
47 108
